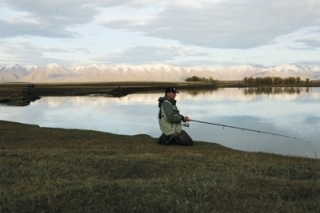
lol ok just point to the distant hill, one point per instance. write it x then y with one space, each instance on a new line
161 72
50 73
12 72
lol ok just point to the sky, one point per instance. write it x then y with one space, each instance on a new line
186 33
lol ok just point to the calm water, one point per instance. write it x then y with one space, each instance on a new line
287 112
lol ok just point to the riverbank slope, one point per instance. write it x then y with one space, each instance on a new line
59 170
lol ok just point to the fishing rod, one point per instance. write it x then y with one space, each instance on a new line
246 129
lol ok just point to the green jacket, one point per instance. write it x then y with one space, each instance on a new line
169 117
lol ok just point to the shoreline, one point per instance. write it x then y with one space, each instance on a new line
21 94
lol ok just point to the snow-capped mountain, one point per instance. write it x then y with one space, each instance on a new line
12 72
159 72
31 68
51 73
289 70
239 72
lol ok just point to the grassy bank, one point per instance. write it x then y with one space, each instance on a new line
58 170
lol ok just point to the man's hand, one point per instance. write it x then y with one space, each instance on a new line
186 118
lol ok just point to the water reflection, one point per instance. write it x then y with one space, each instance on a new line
295 114
275 90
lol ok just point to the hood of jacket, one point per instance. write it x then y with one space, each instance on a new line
162 99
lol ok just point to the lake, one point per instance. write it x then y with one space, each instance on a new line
291 112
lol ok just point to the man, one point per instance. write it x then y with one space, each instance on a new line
170 120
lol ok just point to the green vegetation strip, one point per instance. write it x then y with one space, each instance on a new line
59 170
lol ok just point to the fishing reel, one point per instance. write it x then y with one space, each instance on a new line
186 124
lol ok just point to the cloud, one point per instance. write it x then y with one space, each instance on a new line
27 53
311 43
310 38
142 54
225 24
44 18
23 28
62 12
180 32
306 38
215 24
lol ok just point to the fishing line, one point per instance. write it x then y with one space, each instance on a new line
246 129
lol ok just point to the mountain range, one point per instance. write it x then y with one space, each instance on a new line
161 72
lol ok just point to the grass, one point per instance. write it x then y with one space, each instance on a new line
59 170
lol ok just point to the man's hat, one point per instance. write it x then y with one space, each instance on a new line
171 89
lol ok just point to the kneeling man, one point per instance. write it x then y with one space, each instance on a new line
170 120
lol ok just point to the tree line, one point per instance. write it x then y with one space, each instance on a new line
274 80
199 79
258 80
